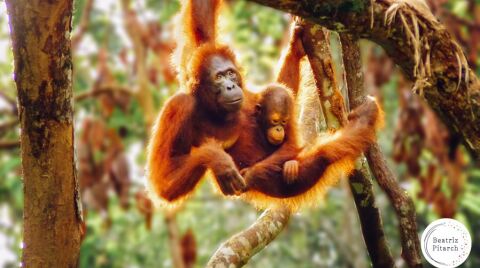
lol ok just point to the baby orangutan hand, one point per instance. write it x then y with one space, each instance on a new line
290 171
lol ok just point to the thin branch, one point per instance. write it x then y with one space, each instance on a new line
401 202
470 24
7 98
9 145
174 240
103 90
238 250
84 23
5 126
318 52
12 103
361 186
134 29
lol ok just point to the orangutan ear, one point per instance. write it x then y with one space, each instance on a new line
258 109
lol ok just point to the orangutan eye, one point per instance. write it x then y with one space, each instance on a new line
230 73
284 122
275 122
218 77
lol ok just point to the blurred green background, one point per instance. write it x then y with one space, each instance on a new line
111 136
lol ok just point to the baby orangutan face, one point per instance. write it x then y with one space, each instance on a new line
276 124
275 109
275 114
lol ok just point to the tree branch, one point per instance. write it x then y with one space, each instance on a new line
134 29
5 126
9 145
401 202
102 90
12 103
238 250
320 58
370 219
174 240
419 44
84 23
470 24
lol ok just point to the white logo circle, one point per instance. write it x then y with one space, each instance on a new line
446 243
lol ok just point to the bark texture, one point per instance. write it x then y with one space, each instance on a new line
399 199
415 41
238 250
40 32
402 203
317 48
319 56
370 219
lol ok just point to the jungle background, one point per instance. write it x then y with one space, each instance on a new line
122 76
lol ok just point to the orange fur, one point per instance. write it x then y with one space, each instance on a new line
187 141
200 20
196 26
310 198
177 158
320 165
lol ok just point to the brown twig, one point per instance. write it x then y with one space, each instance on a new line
103 90
84 23
361 186
9 145
402 204
318 52
470 24
174 240
12 103
7 125
7 98
134 29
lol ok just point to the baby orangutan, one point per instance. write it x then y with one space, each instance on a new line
275 114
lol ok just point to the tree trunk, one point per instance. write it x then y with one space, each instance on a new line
418 43
40 32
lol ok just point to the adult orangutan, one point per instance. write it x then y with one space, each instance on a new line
178 151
